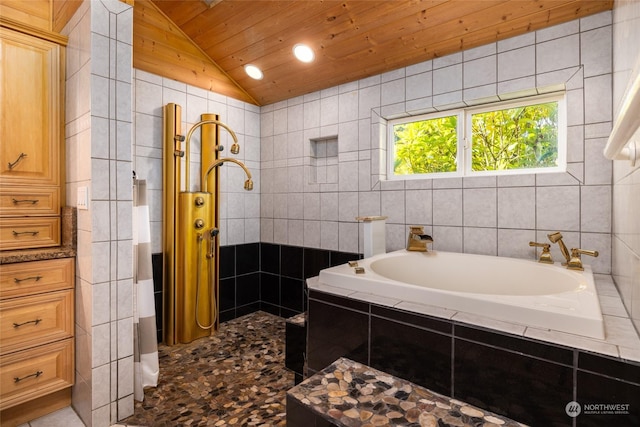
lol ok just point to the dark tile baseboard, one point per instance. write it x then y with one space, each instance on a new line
260 276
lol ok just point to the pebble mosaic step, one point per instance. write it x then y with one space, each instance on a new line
351 394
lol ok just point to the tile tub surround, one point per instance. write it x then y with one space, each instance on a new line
481 214
347 393
526 374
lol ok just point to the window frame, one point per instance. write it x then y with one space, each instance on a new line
464 138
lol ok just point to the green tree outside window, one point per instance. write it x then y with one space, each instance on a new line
515 138
521 137
426 146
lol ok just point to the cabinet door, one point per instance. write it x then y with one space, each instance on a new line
30 109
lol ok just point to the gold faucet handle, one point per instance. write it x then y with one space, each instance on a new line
577 252
540 245
545 255
416 229
575 263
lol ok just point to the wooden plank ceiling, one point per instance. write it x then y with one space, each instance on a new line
352 39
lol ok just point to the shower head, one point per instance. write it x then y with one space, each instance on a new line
235 148
248 184
554 237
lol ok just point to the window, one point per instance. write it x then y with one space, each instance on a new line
503 138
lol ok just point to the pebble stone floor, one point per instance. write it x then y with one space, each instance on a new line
233 378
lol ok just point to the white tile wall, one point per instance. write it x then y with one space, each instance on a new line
626 188
488 215
98 133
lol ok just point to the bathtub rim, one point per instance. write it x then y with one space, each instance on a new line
588 323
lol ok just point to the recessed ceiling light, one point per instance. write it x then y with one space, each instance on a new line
303 52
253 71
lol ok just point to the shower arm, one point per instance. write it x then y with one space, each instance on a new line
248 184
235 147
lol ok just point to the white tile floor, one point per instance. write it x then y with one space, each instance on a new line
65 417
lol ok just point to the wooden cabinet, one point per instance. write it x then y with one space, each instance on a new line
31 108
36 330
36 297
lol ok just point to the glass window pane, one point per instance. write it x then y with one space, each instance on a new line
426 146
515 138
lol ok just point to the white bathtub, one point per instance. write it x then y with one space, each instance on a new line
507 289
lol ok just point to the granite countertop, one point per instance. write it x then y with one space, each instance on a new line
348 393
38 254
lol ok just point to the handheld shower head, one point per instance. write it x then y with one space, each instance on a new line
554 237
557 238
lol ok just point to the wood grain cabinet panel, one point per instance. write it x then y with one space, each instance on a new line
29 201
29 278
36 298
30 232
35 320
30 79
36 338
31 112
28 374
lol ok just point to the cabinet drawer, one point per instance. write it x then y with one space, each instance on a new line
31 201
23 233
29 374
28 278
39 319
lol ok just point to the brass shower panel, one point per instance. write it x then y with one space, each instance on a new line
191 223
170 171
195 298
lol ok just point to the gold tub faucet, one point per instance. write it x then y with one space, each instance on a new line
417 240
575 263
545 255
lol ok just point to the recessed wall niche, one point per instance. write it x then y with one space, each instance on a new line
324 160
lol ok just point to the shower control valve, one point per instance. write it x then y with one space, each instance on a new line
199 201
213 232
199 224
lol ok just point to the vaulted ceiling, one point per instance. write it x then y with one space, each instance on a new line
208 42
